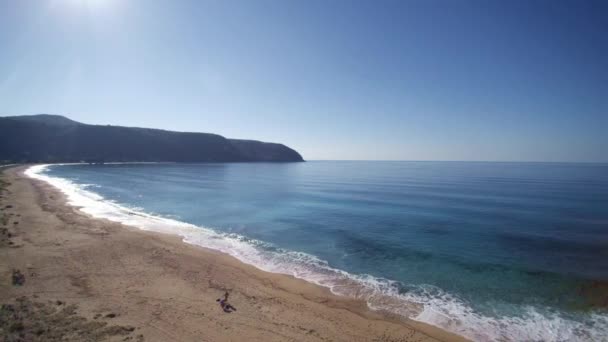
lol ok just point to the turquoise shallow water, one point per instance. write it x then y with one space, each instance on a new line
511 251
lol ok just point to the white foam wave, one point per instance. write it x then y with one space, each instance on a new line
426 303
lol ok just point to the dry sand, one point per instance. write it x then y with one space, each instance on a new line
67 277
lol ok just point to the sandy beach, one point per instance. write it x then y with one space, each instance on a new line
66 276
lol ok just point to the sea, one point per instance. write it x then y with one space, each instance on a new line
493 251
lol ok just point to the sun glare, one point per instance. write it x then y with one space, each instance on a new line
90 4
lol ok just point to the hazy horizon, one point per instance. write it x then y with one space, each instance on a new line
347 160
514 81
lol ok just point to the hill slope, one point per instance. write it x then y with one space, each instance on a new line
53 138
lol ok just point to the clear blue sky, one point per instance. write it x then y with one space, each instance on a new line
414 80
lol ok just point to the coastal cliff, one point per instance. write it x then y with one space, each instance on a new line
48 138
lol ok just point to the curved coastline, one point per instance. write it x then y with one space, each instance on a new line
42 205
441 309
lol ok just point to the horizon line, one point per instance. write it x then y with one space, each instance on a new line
461 161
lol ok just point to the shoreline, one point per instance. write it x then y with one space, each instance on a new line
163 286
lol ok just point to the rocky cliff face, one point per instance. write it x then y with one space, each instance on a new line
53 138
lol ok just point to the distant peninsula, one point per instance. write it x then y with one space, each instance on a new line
46 138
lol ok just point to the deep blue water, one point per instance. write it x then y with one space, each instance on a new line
500 238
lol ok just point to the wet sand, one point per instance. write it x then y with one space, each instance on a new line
67 276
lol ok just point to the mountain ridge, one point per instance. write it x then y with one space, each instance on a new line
56 138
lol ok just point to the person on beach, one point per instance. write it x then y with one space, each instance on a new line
225 305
